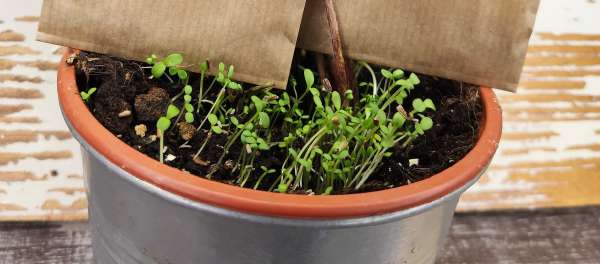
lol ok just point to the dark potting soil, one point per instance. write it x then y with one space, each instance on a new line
128 104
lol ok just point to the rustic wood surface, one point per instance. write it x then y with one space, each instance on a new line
549 155
569 235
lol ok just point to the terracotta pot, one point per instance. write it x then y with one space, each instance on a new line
142 211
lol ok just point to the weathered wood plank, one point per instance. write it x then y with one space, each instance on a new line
568 235
44 243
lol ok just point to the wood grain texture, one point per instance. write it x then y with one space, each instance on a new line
40 164
558 236
44 243
549 154
544 236
548 157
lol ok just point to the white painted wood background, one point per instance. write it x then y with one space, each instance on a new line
549 155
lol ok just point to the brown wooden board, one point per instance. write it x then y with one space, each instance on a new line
568 235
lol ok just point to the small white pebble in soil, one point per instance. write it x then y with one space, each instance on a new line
170 157
140 130
71 59
125 113
413 162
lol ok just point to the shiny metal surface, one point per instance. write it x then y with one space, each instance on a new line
135 222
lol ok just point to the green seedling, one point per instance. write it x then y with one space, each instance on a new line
162 125
326 146
86 95
170 64
203 71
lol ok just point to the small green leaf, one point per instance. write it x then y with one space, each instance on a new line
173 71
398 120
384 129
221 67
204 67
84 96
387 74
418 105
263 146
398 74
343 154
426 123
258 103
429 104
213 119
91 91
318 151
328 190
187 98
309 77
414 79
234 86
337 101
188 107
318 103
404 84
234 120
187 89
306 129
163 124
282 188
230 72
264 120
189 117
349 95
217 130
182 74
418 129
158 69
173 59
387 142
172 111
248 139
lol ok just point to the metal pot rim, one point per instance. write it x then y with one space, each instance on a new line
91 132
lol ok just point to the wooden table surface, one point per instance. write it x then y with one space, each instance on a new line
568 235
549 155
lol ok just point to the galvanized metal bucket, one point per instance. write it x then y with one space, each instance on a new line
144 212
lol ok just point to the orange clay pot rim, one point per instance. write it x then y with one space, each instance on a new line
275 204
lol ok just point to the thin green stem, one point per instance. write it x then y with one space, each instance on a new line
373 77
161 145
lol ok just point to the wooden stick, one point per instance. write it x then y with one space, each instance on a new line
339 66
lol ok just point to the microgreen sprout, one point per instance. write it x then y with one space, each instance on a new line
170 64
162 125
86 95
325 144
187 105
203 71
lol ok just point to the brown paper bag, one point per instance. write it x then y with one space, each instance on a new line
258 37
478 41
